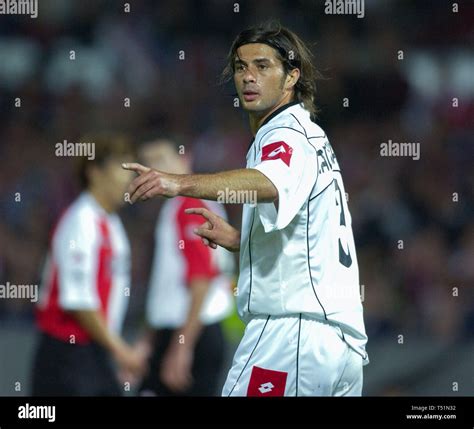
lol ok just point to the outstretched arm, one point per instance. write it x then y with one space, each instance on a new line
151 183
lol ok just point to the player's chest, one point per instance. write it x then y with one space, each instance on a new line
114 250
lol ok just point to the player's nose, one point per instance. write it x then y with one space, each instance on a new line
249 76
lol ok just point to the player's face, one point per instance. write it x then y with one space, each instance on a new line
259 78
162 157
115 180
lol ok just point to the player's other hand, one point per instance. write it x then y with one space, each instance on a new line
176 367
130 361
216 231
150 183
141 354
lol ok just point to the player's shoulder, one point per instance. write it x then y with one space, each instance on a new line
180 204
216 208
80 218
183 203
293 123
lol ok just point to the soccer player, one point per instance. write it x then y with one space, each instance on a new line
189 294
86 285
298 288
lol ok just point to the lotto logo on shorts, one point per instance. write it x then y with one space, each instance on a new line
277 150
266 382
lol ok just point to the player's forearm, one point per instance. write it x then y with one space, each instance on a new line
217 185
95 325
191 330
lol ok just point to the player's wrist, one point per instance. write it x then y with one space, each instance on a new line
235 243
185 338
117 348
185 185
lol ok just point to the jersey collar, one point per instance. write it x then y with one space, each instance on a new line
278 111
275 113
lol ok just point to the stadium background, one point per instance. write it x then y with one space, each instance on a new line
408 292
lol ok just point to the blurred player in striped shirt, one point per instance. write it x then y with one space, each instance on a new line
86 285
189 293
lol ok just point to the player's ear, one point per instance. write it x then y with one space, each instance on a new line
92 174
292 78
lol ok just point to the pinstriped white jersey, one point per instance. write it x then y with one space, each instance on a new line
298 254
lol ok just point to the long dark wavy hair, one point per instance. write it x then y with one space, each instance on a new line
291 51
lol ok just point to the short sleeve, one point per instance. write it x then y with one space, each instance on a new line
199 261
76 254
289 161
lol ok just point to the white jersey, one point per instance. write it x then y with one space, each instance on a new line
88 268
298 255
179 257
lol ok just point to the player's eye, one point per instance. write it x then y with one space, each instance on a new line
262 67
239 67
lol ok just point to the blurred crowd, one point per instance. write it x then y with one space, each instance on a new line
154 72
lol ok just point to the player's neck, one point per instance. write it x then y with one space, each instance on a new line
256 119
102 200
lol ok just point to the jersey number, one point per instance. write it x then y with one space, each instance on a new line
344 258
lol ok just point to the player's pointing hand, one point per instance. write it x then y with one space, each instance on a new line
150 183
136 167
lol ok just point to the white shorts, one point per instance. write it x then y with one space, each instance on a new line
293 356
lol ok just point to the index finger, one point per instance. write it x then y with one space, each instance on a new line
201 211
136 167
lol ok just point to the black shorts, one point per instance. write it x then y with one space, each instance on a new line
64 369
207 364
